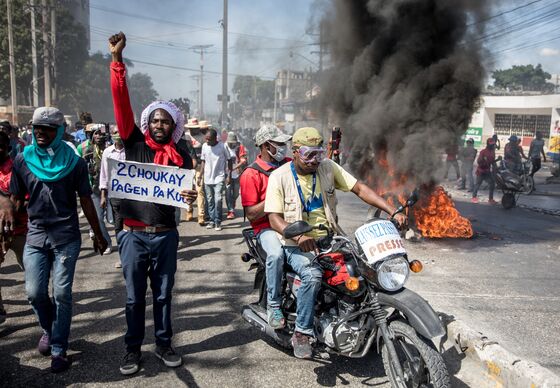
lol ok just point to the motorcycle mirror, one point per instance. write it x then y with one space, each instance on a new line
412 199
296 228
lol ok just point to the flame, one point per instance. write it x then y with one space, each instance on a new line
437 217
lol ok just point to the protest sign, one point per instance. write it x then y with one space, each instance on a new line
147 182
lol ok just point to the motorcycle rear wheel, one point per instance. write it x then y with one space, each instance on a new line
423 366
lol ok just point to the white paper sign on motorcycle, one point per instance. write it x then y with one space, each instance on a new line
148 182
379 240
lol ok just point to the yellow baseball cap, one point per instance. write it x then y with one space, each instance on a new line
307 136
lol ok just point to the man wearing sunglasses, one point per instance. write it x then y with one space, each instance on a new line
305 189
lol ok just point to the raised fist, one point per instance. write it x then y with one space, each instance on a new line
117 43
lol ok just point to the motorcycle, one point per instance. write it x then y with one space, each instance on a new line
362 301
513 185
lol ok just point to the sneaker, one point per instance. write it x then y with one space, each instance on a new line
201 221
168 356
276 319
230 215
44 345
218 227
302 345
59 363
130 364
210 225
474 200
108 251
118 264
492 202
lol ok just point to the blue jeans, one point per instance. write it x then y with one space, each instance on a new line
101 213
274 266
214 201
232 193
143 256
310 275
55 315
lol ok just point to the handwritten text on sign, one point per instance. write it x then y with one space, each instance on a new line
148 182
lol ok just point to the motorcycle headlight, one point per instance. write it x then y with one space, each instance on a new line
393 273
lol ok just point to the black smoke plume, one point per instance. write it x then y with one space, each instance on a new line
405 77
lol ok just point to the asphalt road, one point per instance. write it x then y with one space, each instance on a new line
503 282
219 348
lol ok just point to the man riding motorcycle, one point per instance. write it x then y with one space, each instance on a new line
253 183
304 189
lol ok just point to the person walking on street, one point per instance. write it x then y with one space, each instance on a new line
111 205
253 183
16 143
196 132
92 154
451 160
467 156
239 155
149 240
305 190
536 149
215 169
486 163
52 174
14 240
512 155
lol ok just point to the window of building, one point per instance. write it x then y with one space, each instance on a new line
521 125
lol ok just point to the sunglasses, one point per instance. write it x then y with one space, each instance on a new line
311 154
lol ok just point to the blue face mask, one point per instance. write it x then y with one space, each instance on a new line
280 154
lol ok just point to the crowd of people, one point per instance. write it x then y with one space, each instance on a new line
487 163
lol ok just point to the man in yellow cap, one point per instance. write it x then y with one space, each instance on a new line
305 189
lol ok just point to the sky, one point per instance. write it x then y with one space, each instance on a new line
262 33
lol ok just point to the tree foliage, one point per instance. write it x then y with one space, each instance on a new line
253 92
524 77
82 81
184 104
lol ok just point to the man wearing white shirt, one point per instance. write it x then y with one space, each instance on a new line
115 151
216 167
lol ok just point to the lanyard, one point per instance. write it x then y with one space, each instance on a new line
306 205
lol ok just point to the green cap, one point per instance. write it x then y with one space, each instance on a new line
307 136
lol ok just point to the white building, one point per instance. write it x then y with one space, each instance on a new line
522 116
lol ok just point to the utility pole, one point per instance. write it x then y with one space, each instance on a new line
46 56
201 49
225 65
35 81
53 50
13 90
275 100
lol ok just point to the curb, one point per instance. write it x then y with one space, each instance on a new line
505 368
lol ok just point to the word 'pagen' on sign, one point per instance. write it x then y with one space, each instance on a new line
147 182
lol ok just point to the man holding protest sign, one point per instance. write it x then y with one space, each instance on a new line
149 241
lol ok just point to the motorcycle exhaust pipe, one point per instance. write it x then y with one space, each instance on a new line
255 319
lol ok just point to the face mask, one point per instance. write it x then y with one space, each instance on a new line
280 154
116 138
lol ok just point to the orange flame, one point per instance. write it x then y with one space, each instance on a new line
435 214
437 217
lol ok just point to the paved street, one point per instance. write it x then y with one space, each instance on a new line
219 348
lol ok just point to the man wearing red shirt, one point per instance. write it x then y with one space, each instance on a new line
485 163
253 184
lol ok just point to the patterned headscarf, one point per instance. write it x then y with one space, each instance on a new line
170 108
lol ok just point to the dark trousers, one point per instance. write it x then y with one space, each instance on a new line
118 220
536 165
153 256
488 177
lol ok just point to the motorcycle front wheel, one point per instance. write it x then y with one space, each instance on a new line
423 366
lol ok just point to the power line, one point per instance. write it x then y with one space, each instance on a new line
196 28
503 13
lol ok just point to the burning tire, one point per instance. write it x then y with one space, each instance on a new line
508 201
423 366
